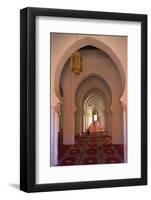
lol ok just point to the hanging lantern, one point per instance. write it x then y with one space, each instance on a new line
76 63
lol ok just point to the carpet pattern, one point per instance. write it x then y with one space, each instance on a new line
91 149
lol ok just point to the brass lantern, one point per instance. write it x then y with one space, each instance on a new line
76 63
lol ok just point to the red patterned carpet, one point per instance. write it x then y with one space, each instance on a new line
92 149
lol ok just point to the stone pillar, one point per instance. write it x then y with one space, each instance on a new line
68 128
86 121
78 123
89 120
109 123
54 136
117 126
99 117
81 124
107 116
125 131
83 119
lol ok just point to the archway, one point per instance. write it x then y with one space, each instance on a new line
85 41
110 79
113 92
97 96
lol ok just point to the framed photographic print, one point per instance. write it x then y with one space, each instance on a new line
83 99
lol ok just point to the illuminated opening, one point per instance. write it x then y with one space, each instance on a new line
95 117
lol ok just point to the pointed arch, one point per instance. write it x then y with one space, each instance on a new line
89 40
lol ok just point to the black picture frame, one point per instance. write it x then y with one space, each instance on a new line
28 98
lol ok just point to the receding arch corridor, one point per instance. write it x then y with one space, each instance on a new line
90 102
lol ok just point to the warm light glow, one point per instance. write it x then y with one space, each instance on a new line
89 120
95 117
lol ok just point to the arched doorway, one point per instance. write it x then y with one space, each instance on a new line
108 75
95 97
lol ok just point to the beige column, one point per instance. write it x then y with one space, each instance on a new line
117 126
125 131
68 128
78 123
54 136
107 116
84 120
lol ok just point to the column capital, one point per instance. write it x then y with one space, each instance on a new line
56 107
